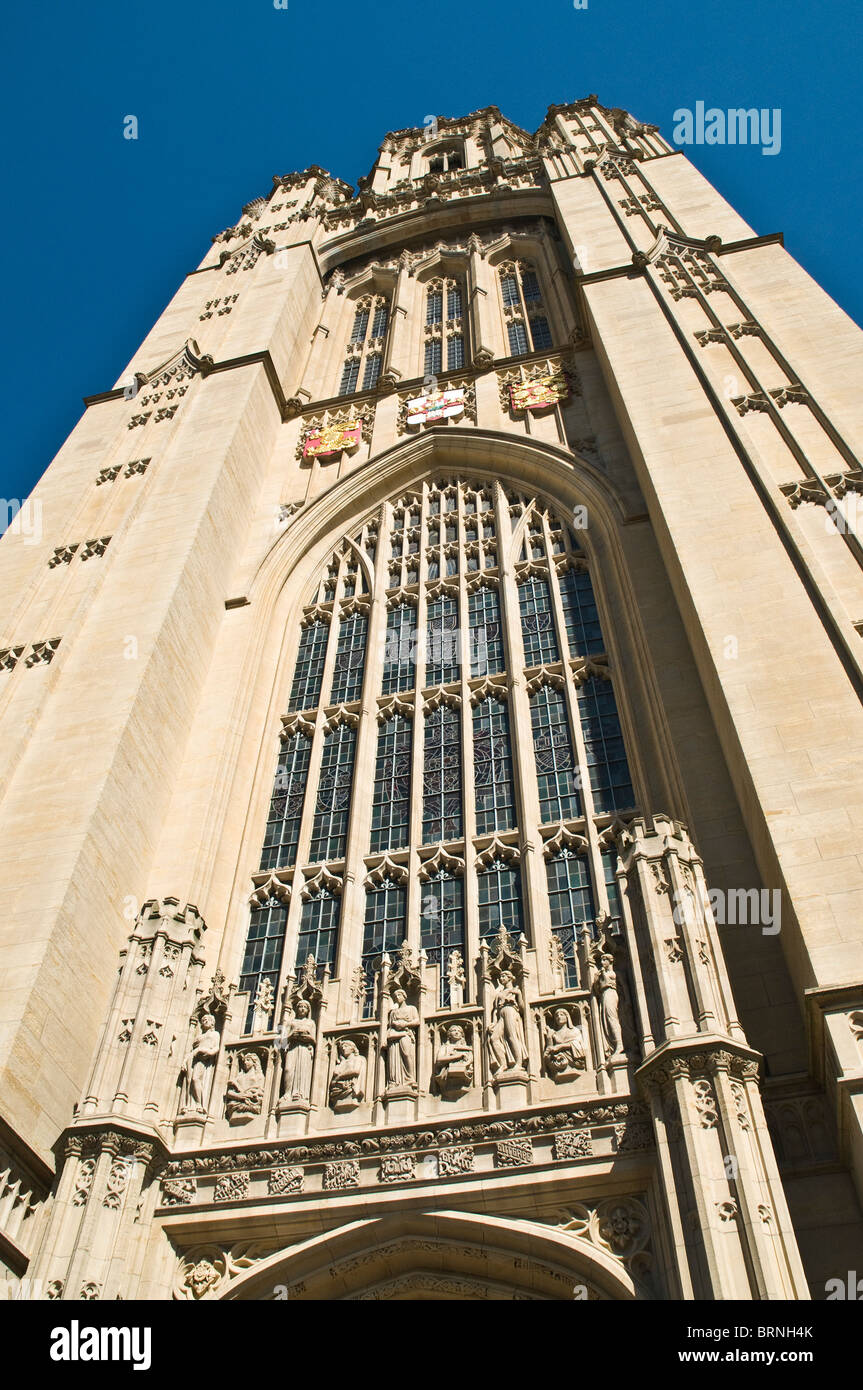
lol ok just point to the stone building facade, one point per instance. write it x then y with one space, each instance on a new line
430 783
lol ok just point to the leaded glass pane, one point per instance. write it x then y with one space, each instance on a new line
361 323
442 642
433 357
570 901
555 764
442 815
580 617
486 637
492 767
455 353
530 287
350 376
262 958
372 371
537 623
500 901
350 659
384 930
309 670
434 307
400 650
332 803
541 333
286 805
442 926
517 338
603 741
509 290
319 929
392 790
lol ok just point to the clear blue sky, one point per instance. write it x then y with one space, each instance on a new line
99 230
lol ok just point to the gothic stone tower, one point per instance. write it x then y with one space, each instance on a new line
436 685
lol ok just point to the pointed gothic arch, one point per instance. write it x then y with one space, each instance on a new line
444 1255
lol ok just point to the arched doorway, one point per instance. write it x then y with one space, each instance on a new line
437 1255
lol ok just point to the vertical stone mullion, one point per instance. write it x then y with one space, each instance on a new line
359 823
533 879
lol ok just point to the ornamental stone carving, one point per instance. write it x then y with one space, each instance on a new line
346 1091
453 1162
299 1042
397 1167
401 1026
453 1063
513 1153
506 1043
198 1067
338 1176
244 1096
233 1187
563 1049
282 1180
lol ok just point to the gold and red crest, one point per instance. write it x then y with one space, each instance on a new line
326 440
540 393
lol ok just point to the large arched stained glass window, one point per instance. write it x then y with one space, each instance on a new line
488 721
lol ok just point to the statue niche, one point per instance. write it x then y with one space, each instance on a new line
198 1067
563 1051
244 1096
452 1068
506 1041
400 1052
346 1089
298 1038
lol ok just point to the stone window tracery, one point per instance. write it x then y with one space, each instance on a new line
286 807
445 322
364 352
384 931
524 309
455 639
392 789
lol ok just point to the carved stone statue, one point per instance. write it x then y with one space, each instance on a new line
456 979
453 1065
299 1041
345 1089
245 1093
198 1066
563 1048
401 1046
506 1044
605 989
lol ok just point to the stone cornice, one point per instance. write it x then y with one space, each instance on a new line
480 1128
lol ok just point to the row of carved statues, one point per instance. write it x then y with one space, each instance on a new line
380 1058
